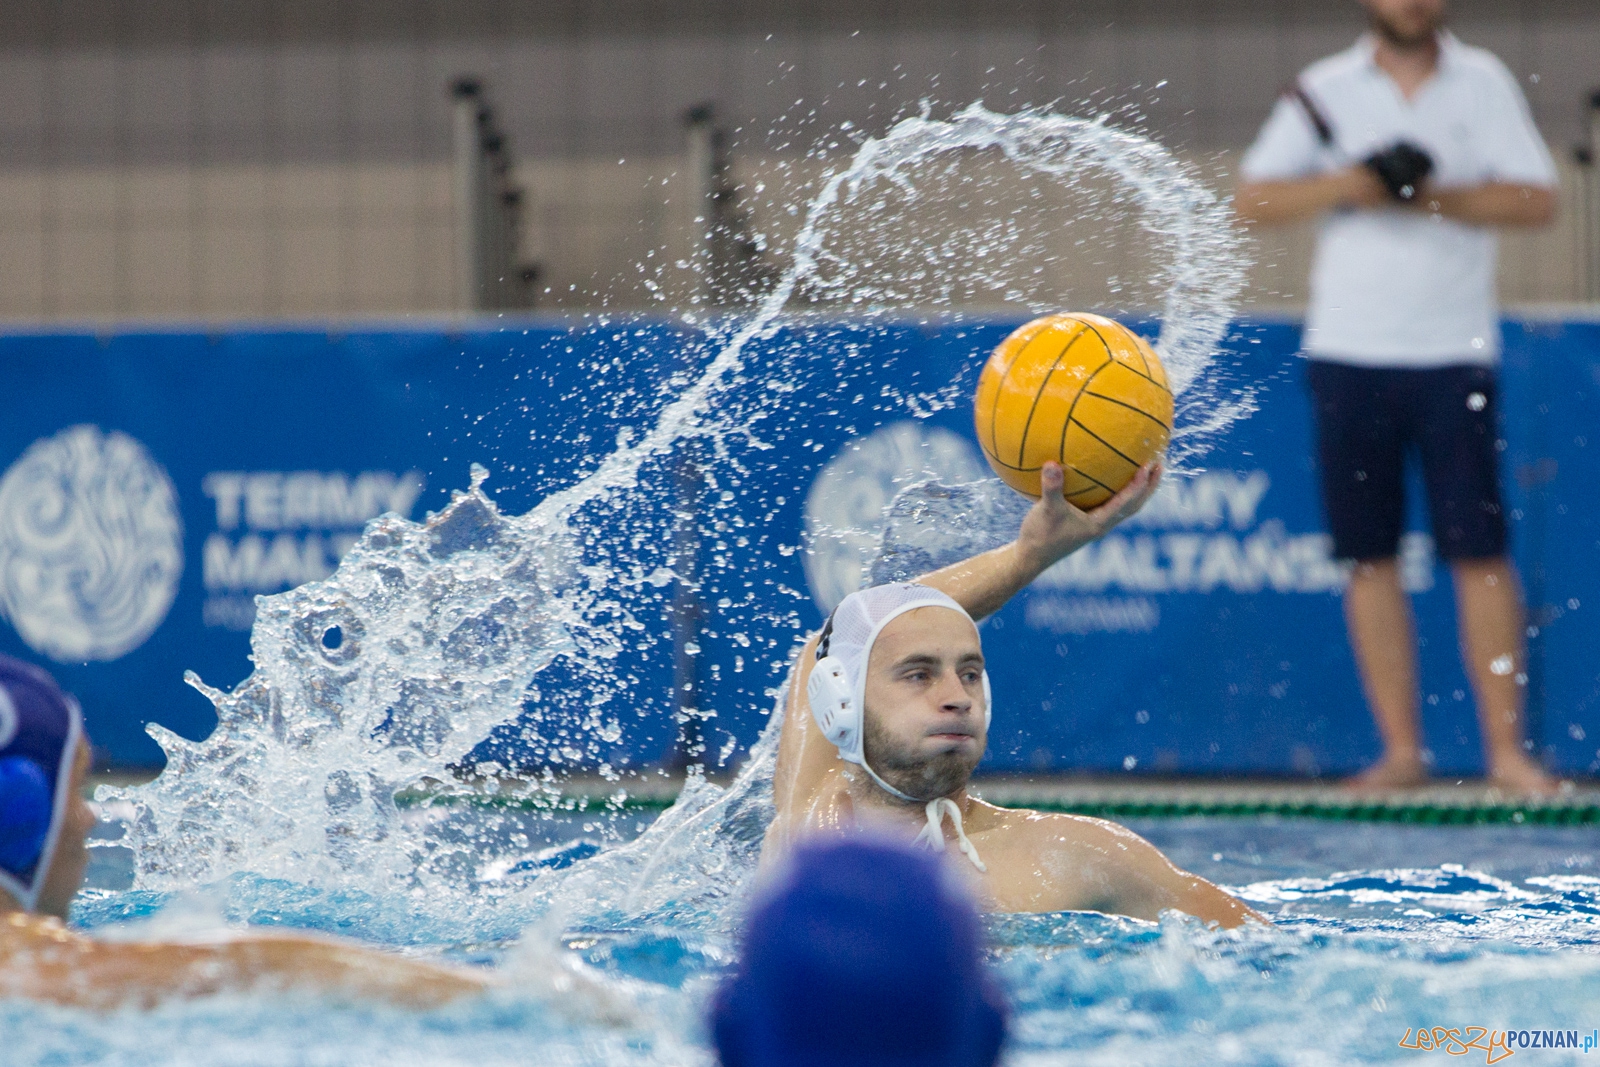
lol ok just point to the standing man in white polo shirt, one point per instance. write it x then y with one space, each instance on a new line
1409 148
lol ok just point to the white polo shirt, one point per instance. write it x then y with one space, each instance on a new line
1394 287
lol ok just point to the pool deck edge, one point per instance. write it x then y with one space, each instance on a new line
1444 803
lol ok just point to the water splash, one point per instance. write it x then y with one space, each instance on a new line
383 678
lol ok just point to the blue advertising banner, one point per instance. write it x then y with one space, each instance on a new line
152 484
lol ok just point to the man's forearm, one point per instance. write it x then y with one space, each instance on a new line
984 583
1489 204
1492 204
1052 529
1303 199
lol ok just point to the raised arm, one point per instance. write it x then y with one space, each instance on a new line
1053 529
804 758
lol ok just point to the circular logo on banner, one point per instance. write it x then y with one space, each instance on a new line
91 545
846 505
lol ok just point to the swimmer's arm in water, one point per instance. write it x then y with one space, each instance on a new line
1053 529
40 959
1129 875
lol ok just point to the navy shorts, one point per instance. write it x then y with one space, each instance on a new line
1370 418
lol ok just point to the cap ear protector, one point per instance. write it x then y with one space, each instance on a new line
832 703
831 695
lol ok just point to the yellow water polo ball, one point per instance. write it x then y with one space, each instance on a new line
1083 390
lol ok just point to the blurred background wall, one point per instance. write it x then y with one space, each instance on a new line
268 159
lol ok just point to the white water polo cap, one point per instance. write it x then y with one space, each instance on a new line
837 688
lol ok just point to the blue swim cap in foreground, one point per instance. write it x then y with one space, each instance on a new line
865 954
40 727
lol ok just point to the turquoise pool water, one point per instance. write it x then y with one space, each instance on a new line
1381 930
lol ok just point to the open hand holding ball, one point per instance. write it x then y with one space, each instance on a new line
1080 390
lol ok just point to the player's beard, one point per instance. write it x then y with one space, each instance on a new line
919 777
1402 35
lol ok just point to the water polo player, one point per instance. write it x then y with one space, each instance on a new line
899 707
44 826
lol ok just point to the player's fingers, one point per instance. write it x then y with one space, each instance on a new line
1157 469
1130 492
1051 479
1130 495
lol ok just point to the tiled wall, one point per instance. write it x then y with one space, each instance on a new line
272 158
229 240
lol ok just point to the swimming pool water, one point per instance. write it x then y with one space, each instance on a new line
1380 930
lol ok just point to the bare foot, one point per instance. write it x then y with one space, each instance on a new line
1388 774
1517 774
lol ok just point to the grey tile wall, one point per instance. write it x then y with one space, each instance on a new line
286 157
586 76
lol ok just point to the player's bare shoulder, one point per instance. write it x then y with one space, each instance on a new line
1049 861
1045 861
1025 827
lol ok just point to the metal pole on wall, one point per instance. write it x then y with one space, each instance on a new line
727 256
496 252
1592 199
701 168
466 148
488 205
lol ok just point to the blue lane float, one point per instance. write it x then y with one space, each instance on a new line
155 482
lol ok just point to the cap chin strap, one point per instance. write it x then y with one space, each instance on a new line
932 835
883 785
